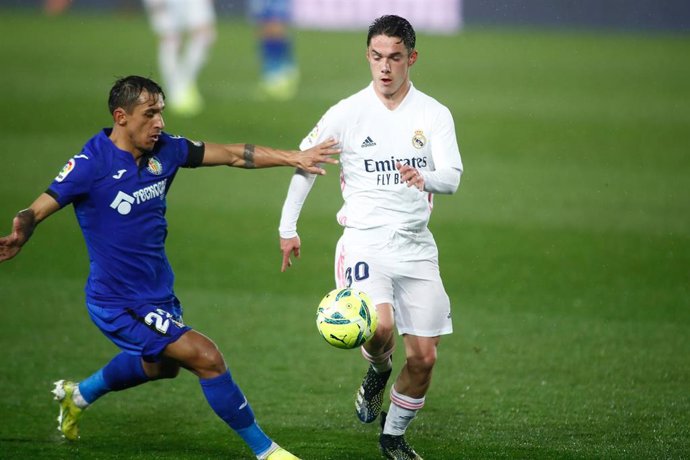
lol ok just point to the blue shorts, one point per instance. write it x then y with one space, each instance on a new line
142 331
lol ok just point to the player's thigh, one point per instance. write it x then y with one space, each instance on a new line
421 349
162 15
198 14
385 316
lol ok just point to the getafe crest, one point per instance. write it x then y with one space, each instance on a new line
155 167
418 140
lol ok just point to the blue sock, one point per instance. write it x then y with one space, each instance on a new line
256 439
123 371
228 402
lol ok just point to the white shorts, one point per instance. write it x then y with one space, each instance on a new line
400 268
174 16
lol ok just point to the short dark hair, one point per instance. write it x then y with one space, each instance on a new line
126 91
393 26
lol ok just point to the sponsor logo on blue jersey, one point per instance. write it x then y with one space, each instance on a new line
123 202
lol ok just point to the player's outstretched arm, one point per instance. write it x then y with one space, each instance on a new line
256 156
24 223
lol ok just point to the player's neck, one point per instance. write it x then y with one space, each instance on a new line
122 144
392 101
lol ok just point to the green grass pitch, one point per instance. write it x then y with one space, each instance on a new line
566 251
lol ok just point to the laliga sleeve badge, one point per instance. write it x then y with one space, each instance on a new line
66 170
314 133
418 140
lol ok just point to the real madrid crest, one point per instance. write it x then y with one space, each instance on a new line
418 140
154 167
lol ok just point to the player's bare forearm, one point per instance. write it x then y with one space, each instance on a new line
250 156
24 224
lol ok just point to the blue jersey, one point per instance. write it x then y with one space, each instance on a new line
120 206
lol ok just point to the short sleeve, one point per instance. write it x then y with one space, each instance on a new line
195 154
73 181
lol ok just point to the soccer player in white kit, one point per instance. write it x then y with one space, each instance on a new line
398 148
186 29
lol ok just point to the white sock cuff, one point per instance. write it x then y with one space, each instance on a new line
406 402
78 399
263 455
382 358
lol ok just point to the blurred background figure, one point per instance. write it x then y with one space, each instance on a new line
279 71
186 29
55 7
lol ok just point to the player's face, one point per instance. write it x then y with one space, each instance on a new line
145 123
390 64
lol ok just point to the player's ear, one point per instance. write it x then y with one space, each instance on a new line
412 58
120 116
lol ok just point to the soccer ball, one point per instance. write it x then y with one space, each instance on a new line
346 318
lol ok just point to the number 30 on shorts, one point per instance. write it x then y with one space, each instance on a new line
360 272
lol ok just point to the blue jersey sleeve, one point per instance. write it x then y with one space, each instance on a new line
187 153
195 155
73 181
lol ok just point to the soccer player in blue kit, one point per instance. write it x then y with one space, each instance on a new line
279 69
118 185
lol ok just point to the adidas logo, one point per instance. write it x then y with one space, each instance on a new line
368 142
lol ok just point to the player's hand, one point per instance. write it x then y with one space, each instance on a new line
410 176
11 244
310 160
288 246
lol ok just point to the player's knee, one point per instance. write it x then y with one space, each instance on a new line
384 331
209 361
422 363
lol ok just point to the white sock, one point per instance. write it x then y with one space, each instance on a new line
385 366
382 363
78 399
263 455
401 412
168 62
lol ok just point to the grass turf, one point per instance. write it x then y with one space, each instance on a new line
566 251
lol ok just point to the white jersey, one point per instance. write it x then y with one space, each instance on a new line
177 16
420 132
